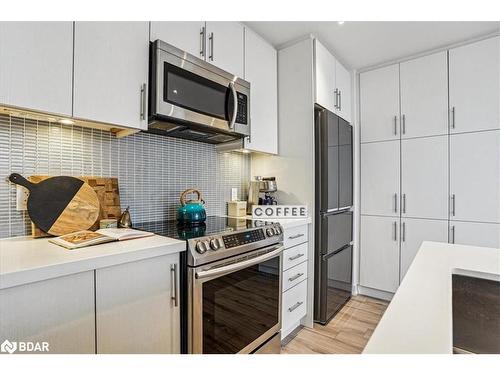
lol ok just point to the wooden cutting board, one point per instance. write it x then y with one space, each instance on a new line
60 205
107 192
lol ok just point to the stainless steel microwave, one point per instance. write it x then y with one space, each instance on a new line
190 98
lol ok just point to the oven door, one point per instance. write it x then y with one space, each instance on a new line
235 307
191 90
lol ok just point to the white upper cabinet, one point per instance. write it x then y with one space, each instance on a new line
424 177
475 86
475 176
333 83
424 96
111 72
225 46
380 174
185 35
262 72
379 93
325 77
36 62
343 85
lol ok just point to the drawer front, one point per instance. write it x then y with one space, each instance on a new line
295 236
294 275
294 305
295 255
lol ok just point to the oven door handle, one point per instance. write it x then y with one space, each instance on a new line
240 265
235 100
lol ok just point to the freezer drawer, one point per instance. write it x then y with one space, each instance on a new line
335 231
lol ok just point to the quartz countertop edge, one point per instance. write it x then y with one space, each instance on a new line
26 260
419 318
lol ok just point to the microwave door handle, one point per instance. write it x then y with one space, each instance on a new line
217 271
235 100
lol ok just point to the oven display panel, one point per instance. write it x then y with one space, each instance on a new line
237 239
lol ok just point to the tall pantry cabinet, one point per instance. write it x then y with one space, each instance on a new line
422 177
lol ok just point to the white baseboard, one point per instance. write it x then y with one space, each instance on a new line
375 293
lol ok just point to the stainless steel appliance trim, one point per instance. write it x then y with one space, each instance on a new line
296 256
298 304
173 273
235 111
218 271
195 312
295 277
296 236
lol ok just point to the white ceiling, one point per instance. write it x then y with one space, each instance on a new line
362 44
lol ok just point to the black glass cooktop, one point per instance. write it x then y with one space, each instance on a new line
213 225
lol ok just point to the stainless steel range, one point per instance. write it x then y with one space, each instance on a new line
231 283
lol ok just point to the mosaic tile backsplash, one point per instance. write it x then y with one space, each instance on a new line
152 170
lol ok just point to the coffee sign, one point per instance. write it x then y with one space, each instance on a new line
279 212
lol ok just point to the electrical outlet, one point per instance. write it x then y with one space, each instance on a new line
21 198
234 194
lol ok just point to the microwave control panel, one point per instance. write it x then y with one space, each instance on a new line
242 114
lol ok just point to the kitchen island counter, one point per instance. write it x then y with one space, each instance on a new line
419 317
25 260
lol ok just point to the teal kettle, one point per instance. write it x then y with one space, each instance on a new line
192 211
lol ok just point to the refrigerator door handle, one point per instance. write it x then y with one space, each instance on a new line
331 254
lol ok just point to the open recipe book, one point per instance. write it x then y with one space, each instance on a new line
87 238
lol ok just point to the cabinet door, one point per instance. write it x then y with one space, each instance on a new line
414 232
225 46
185 35
343 85
424 182
59 311
325 77
379 104
379 258
135 307
424 96
111 69
380 178
475 176
475 86
261 71
36 65
475 234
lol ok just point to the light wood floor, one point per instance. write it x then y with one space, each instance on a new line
347 333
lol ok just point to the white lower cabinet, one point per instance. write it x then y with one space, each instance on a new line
58 311
413 233
137 307
294 308
475 234
294 275
379 261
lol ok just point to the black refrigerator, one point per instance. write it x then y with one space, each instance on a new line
333 217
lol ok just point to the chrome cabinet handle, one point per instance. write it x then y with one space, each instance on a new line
403 232
336 100
296 276
395 231
340 100
296 256
403 124
173 273
395 125
453 205
395 202
295 306
211 54
235 99
452 117
452 235
203 42
404 204
296 236
143 102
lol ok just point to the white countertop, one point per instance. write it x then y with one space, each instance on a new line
419 317
25 260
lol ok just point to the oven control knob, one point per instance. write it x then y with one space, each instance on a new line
270 232
214 244
201 247
277 230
